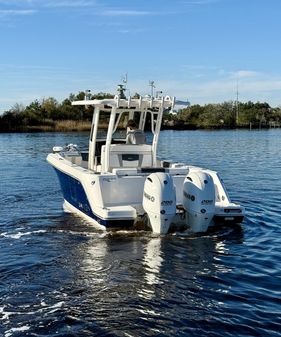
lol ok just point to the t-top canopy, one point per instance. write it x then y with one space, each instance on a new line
142 103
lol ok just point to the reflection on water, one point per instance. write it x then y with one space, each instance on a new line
160 283
61 277
153 261
97 276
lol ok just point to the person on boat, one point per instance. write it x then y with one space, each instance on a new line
134 135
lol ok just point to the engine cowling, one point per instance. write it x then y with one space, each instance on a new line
159 201
199 200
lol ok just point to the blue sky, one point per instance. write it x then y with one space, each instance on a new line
199 50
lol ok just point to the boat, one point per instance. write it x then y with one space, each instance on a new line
116 185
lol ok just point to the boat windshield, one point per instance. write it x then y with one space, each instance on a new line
103 125
120 128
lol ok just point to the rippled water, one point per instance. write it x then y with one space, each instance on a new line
60 277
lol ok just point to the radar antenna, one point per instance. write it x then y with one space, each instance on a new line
121 88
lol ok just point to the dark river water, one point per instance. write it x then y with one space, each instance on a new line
60 277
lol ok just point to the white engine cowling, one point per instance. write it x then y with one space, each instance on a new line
199 200
159 201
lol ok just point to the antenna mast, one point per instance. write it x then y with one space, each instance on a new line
237 104
151 84
125 79
122 87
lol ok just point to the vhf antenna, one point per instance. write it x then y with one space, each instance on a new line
151 84
125 79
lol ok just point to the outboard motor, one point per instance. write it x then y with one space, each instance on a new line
159 201
199 200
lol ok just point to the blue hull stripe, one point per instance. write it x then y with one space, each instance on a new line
74 193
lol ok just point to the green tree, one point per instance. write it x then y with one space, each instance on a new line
49 108
32 114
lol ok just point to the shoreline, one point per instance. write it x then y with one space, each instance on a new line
76 127
60 126
69 125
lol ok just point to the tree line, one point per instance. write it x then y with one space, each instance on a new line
226 115
47 113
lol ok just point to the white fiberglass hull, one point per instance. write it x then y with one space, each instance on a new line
115 199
